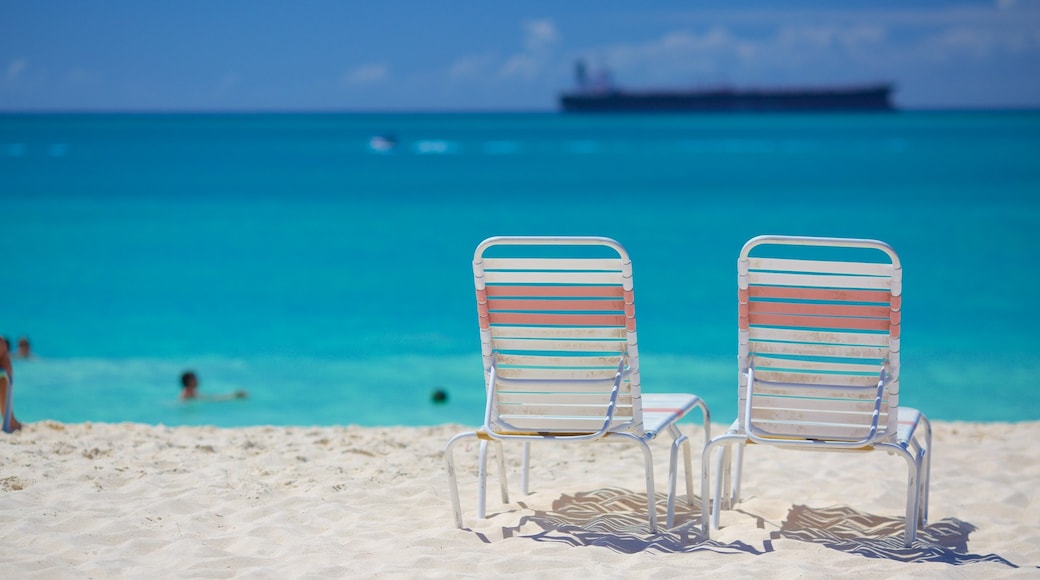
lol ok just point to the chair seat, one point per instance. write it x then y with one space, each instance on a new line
909 418
660 410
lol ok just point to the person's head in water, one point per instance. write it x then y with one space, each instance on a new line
439 396
24 349
189 385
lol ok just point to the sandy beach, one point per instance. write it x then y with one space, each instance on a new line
135 501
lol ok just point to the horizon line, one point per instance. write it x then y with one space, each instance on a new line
478 111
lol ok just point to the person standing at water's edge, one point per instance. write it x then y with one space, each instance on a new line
7 388
190 390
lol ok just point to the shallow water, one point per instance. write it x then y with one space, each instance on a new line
284 255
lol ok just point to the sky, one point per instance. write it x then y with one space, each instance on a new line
469 55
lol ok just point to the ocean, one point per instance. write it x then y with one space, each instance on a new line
330 276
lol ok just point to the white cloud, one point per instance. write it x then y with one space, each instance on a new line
850 45
540 38
471 66
961 42
805 42
679 55
540 34
16 68
773 40
521 66
367 74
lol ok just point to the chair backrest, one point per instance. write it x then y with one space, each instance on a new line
557 318
819 326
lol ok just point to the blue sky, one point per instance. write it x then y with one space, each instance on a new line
391 55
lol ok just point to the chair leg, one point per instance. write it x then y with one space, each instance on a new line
502 481
688 468
482 481
727 481
648 461
722 478
673 466
706 418
651 492
482 475
449 460
926 470
912 488
921 514
706 486
525 468
913 499
738 470
706 459
453 489
678 439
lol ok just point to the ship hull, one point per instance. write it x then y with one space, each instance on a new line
872 98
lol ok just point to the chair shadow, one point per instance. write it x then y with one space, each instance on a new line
847 530
616 519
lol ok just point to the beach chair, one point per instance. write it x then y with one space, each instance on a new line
818 329
561 359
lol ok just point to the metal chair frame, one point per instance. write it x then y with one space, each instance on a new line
571 328
904 432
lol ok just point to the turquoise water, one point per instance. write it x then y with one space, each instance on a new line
283 255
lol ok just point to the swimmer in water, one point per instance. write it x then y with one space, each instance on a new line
190 390
24 350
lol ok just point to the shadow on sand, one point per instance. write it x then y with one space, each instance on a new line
616 519
847 530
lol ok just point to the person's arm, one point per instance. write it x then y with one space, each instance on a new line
5 364
240 394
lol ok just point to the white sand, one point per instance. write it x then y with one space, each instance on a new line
135 501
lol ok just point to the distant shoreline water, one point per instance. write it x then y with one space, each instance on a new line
284 254
495 112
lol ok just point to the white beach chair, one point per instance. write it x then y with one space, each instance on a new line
819 362
561 360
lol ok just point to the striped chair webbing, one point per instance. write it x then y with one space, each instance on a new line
556 329
818 334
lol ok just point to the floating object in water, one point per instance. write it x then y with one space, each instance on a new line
382 143
435 147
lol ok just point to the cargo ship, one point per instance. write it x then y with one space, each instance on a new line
599 95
